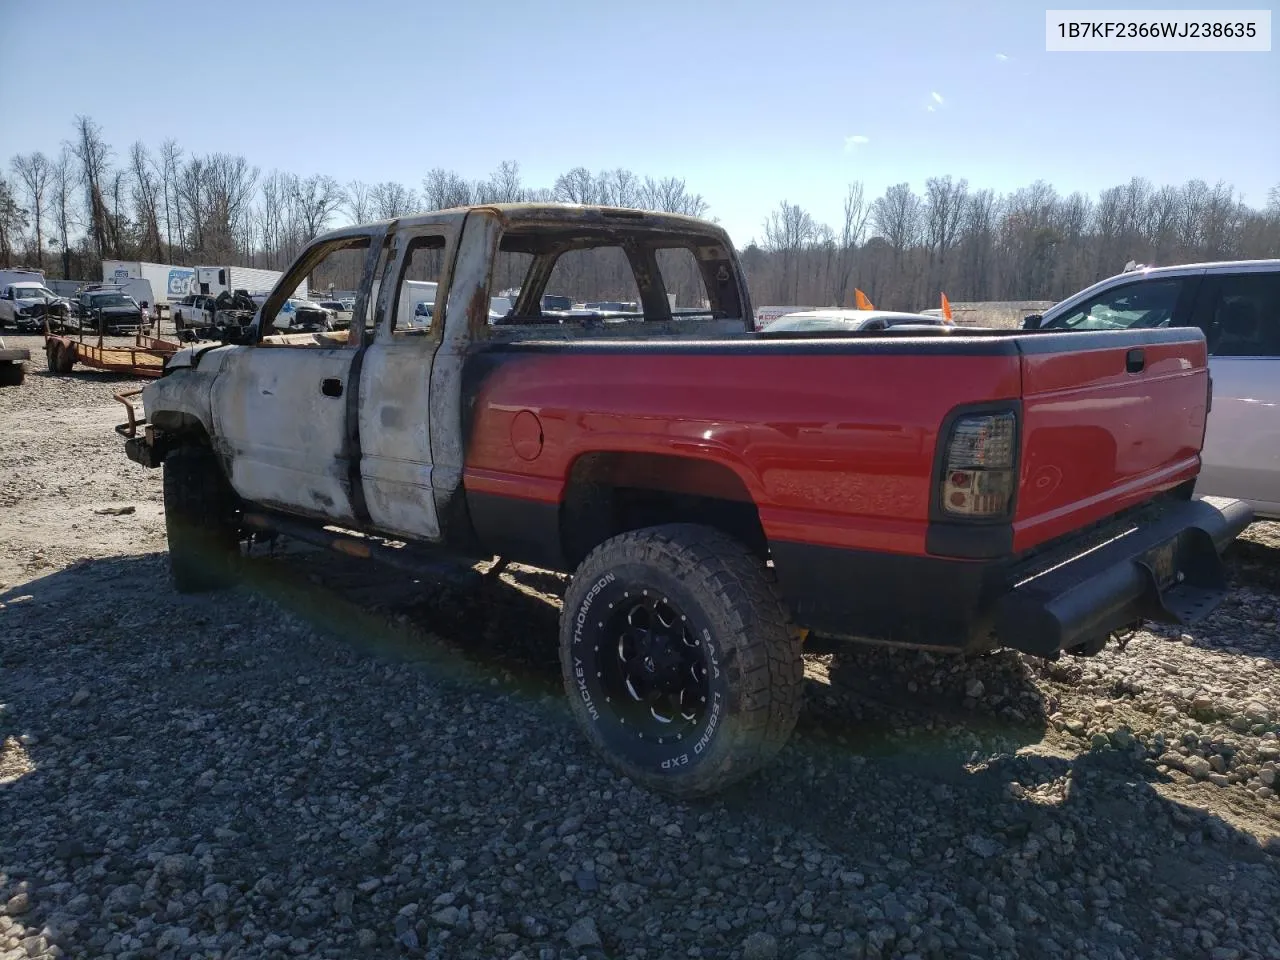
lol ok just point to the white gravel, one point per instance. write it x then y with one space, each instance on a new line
343 761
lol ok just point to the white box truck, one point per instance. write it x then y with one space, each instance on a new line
169 283
211 281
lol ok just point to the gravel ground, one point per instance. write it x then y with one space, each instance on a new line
343 761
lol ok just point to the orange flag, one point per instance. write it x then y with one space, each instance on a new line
946 310
861 300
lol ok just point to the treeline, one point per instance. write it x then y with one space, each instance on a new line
904 249
91 202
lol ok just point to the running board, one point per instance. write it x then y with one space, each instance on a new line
410 558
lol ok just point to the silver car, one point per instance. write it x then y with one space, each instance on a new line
1237 305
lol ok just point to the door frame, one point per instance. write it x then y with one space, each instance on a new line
358 332
399 245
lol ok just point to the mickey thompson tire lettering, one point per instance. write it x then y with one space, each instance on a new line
752 665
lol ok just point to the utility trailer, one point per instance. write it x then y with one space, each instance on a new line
144 357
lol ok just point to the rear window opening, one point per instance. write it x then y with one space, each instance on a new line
594 275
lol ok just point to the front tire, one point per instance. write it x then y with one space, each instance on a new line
679 660
200 518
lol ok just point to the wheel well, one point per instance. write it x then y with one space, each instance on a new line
611 493
175 428
186 428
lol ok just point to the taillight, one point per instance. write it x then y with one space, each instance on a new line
979 478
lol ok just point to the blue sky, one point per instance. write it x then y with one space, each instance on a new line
751 102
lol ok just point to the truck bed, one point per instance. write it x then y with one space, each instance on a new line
834 437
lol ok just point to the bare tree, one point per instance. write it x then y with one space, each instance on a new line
944 209
789 230
34 171
576 186
274 216
356 200
146 192
170 161
63 179
190 193
13 220
618 188
853 226
443 189
671 195
228 188
503 185
315 199
389 200
896 216
94 155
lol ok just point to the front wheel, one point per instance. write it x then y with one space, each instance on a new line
678 658
200 521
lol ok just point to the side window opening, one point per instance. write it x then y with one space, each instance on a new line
686 287
416 308
1145 304
301 321
509 274
604 278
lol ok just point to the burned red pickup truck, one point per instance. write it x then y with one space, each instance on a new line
715 491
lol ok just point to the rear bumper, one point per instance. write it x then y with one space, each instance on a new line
1168 570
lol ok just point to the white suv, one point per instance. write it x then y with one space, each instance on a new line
1237 305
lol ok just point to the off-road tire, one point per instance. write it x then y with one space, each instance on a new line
726 598
201 521
12 374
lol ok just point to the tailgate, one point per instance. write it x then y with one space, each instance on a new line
1110 419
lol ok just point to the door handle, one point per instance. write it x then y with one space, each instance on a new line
331 387
1135 361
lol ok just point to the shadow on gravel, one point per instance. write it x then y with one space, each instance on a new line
1247 623
905 764
1255 564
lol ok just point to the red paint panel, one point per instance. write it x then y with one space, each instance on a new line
835 450
1097 439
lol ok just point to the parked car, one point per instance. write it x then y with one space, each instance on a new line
340 311
836 320
304 316
1237 305
195 311
25 304
109 312
714 495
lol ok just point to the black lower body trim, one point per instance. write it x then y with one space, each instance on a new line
1162 565
885 596
969 541
526 531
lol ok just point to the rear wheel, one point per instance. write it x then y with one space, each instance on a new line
11 374
66 357
678 658
201 522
